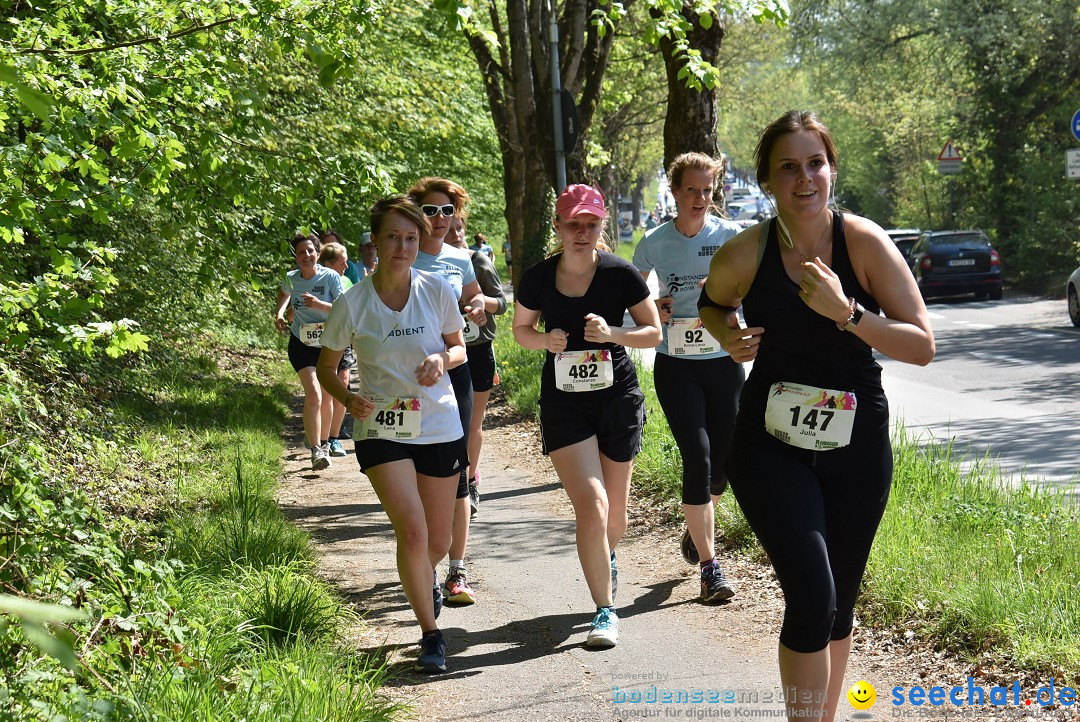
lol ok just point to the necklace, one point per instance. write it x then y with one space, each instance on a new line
785 236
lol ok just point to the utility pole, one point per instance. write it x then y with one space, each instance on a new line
556 100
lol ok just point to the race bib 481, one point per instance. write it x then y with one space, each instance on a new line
394 418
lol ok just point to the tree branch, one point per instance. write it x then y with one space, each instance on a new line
131 43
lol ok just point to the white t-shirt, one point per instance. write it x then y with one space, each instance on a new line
389 345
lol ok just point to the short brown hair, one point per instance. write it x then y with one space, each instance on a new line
433 184
300 238
791 122
397 203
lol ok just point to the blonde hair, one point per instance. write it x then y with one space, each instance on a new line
332 252
698 161
601 244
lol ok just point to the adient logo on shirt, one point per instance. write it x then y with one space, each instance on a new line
405 331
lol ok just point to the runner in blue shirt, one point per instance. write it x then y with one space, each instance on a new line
441 200
697 383
310 289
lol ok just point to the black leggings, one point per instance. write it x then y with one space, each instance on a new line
699 399
461 380
815 513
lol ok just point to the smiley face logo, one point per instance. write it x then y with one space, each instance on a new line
862 695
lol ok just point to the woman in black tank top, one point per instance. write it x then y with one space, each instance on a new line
810 461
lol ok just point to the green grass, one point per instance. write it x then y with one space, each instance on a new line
978 568
978 565
203 600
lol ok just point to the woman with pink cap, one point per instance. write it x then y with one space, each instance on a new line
591 408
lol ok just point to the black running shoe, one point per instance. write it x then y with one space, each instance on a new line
432 659
689 549
714 585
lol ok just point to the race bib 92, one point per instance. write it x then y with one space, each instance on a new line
810 417
689 337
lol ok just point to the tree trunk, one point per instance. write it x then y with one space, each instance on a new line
518 86
691 114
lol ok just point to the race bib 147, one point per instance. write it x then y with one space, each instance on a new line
810 417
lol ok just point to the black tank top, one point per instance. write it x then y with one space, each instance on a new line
801 346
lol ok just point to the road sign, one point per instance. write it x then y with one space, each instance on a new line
950 162
1072 163
1076 125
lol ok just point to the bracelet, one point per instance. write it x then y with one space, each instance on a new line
855 315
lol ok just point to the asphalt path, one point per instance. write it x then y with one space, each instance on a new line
519 653
1004 387
1005 384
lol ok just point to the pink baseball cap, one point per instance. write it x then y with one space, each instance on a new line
579 198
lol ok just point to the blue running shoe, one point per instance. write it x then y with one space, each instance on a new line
714 585
432 659
605 629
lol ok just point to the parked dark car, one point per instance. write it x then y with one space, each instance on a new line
947 263
904 238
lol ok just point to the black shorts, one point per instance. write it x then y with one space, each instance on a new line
439 460
616 421
348 360
461 380
300 355
481 366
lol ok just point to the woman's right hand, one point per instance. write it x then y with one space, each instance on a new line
280 324
555 340
663 307
740 343
359 406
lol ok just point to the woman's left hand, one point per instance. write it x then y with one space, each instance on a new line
821 290
596 329
476 314
431 370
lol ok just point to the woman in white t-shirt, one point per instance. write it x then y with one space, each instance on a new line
406 332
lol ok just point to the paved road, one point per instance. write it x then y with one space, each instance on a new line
1006 380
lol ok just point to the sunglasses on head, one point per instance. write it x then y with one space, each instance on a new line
432 210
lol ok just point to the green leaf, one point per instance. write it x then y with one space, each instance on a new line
8 74
29 610
38 103
62 650
706 20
